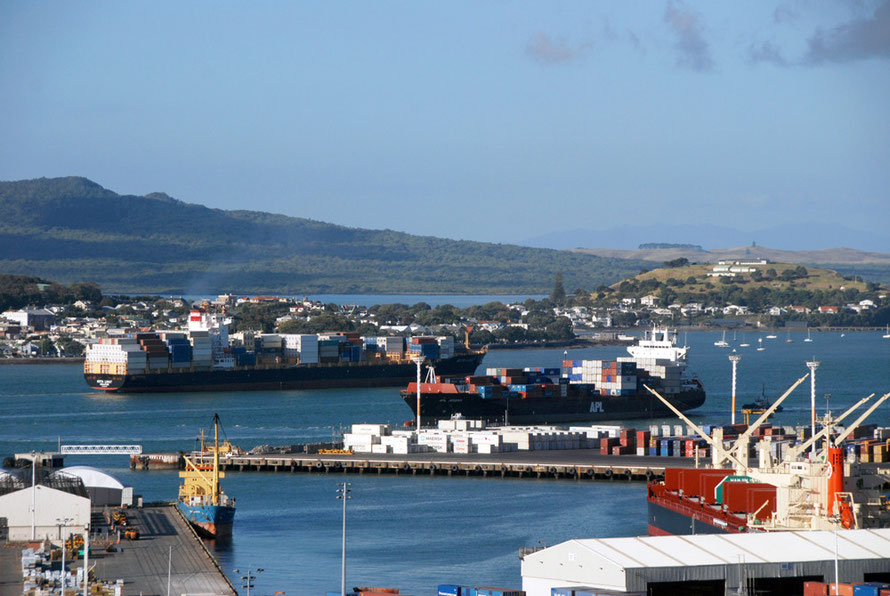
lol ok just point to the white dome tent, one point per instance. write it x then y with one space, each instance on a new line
103 488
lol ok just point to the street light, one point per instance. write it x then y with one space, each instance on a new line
813 365
63 523
418 360
249 578
734 358
343 493
33 496
827 397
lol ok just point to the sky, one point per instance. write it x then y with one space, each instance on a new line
482 120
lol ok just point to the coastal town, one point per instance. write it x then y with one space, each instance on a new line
63 330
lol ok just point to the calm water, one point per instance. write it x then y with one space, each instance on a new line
411 533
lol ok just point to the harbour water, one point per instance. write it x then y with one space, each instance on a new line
406 532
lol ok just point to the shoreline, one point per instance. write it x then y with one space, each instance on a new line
33 361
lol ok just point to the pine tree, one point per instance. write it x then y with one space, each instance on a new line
558 294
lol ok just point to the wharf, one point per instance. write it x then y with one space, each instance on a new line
579 464
143 563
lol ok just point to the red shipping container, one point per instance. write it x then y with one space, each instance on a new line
606 444
742 496
643 437
708 483
815 589
672 478
842 589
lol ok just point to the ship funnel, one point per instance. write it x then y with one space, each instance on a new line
836 480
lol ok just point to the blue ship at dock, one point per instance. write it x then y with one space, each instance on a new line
201 501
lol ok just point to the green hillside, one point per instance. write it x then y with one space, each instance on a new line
72 229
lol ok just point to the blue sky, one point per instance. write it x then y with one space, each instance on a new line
484 120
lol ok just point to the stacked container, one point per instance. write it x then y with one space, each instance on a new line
155 349
180 349
116 356
202 350
425 346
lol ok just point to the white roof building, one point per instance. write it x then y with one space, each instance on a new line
644 563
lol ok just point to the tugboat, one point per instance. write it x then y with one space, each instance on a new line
206 507
759 405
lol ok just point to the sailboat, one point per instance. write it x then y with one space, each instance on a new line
744 343
771 336
887 333
808 339
722 343
760 347
201 501
788 339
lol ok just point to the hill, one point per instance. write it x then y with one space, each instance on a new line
72 229
874 266
776 284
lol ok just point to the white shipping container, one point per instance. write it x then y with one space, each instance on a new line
371 429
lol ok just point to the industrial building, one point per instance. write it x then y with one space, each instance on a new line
57 503
53 507
710 564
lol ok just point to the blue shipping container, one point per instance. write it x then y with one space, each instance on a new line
869 589
449 590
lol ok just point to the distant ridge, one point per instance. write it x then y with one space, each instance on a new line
72 229
838 256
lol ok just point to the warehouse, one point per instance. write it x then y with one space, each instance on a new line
54 507
712 564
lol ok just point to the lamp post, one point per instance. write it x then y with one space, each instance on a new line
734 358
813 365
249 578
33 496
63 523
86 560
827 396
418 360
343 493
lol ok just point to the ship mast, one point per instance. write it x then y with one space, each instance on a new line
215 486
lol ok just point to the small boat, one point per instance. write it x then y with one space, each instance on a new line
206 507
771 336
744 343
886 333
722 343
759 405
760 347
808 339
788 339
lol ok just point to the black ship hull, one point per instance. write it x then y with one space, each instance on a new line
548 410
318 376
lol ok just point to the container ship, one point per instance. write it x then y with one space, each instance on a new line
203 358
582 390
819 484
201 500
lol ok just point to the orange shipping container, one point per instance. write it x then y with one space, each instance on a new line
815 589
842 589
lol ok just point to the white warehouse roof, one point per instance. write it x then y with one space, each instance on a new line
92 477
720 549
629 563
